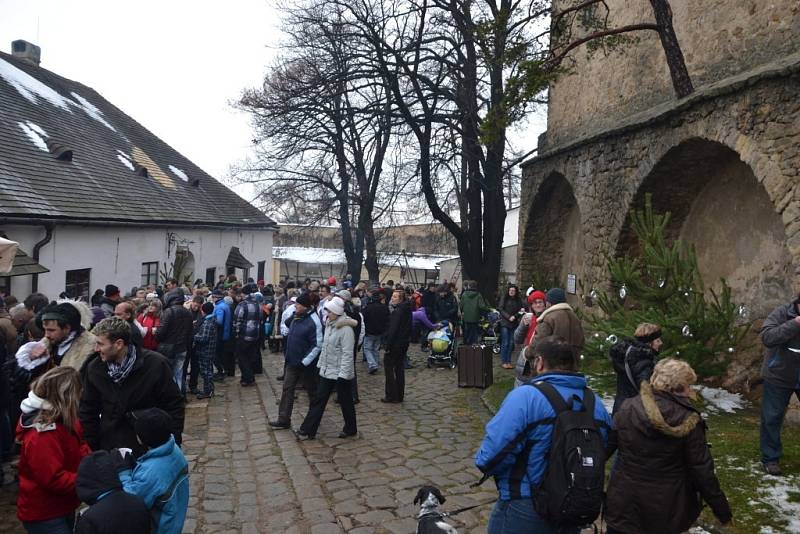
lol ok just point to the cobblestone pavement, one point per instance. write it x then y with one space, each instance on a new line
247 478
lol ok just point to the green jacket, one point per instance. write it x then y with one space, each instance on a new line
472 306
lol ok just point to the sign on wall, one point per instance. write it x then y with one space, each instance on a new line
572 283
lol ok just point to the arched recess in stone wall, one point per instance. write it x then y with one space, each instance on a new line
718 205
552 242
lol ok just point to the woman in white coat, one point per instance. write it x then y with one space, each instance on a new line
336 371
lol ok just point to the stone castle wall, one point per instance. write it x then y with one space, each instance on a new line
719 38
734 144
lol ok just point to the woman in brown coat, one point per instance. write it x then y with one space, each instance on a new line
665 470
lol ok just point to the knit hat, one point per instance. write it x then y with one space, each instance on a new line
536 295
332 281
217 294
153 426
249 288
335 306
111 290
344 295
304 299
556 296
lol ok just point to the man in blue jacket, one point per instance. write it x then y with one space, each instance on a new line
303 345
525 422
224 319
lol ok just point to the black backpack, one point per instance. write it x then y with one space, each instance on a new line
570 493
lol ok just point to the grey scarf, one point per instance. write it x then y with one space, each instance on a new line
118 371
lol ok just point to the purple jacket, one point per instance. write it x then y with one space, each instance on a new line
420 317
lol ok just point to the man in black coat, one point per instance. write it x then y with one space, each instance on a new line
429 303
174 336
398 337
376 321
781 373
120 378
111 510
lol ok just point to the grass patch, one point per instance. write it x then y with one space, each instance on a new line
734 440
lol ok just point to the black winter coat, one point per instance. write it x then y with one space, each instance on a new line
376 318
446 308
175 333
664 469
429 303
105 405
399 332
117 512
641 360
781 333
509 307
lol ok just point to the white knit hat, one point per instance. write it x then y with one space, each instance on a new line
344 294
335 306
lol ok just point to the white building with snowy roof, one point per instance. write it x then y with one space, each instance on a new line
94 198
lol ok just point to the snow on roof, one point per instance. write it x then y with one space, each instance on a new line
179 173
35 134
125 161
336 256
30 87
90 110
511 228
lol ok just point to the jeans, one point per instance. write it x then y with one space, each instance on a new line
177 370
506 343
59 525
773 409
472 333
372 344
293 374
519 517
317 409
395 369
248 352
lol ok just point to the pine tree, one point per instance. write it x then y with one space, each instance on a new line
663 285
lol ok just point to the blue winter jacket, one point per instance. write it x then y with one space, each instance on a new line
526 416
304 342
152 477
224 318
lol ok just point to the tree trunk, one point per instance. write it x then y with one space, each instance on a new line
681 80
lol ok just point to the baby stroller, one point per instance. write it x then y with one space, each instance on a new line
442 347
490 326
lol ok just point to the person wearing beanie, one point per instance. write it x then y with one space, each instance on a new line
634 361
161 475
111 509
247 321
558 319
205 347
351 310
110 300
473 306
336 371
304 338
537 301
65 330
332 281
511 308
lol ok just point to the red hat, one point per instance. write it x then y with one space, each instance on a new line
536 295
332 281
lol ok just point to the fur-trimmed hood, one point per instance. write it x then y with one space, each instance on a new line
555 307
343 321
656 418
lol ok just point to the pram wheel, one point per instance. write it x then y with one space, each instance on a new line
496 348
452 363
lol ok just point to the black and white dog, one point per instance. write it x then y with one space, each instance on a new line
431 518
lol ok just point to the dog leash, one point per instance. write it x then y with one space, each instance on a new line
459 510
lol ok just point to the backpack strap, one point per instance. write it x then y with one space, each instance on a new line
552 395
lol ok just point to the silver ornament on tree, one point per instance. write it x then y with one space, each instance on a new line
612 339
662 283
743 312
686 331
623 292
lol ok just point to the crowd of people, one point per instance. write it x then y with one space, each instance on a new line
92 397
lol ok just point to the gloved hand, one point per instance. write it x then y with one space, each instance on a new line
123 459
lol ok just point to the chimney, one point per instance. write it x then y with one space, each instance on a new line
26 51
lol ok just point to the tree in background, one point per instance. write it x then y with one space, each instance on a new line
663 285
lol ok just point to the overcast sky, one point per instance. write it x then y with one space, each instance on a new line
172 65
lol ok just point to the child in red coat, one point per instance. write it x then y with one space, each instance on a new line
52 448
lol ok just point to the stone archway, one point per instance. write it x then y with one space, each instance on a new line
552 243
718 205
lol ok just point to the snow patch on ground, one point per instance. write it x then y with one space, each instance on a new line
91 110
179 173
719 400
698 530
776 494
35 134
31 88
